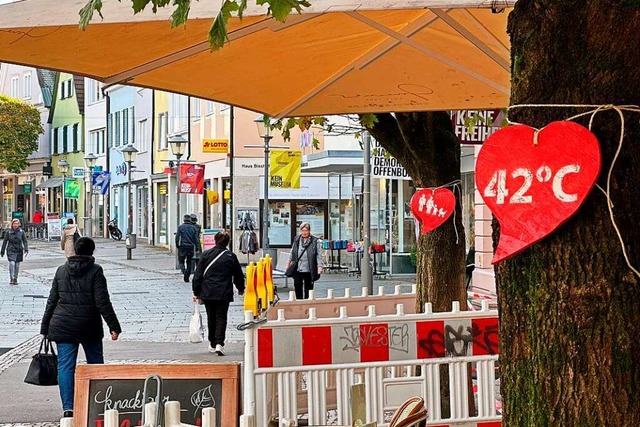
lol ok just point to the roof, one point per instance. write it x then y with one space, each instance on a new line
47 80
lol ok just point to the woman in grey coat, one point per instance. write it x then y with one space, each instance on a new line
16 247
307 253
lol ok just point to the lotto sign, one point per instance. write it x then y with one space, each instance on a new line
191 179
215 145
532 185
284 168
431 207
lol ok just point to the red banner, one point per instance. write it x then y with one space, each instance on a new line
191 179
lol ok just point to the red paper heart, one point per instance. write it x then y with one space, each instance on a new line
431 207
532 189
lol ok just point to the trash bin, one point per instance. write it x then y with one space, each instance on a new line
130 241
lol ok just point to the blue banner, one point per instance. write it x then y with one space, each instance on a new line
100 182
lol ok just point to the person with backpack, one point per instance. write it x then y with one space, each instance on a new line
188 243
217 271
70 236
15 244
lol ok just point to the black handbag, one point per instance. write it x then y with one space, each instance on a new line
293 265
43 369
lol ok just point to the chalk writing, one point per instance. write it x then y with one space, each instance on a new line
202 398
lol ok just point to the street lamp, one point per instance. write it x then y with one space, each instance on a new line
178 146
263 124
90 162
63 167
129 153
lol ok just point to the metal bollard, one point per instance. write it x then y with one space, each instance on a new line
209 417
247 421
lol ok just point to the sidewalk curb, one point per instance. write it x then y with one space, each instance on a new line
16 354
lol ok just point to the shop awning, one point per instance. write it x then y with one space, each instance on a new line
50 183
339 56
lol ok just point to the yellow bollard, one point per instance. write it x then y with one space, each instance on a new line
250 296
261 290
269 279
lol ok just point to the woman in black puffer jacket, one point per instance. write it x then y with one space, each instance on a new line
78 299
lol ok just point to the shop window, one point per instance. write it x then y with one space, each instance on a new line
280 217
314 213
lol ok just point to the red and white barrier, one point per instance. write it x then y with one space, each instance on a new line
328 355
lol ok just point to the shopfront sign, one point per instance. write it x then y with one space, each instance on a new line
311 187
77 172
475 126
215 145
385 166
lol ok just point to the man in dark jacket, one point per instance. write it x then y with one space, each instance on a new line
78 299
217 271
187 241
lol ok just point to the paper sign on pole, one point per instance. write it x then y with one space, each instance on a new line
385 166
72 189
284 168
191 179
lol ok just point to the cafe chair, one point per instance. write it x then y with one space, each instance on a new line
410 414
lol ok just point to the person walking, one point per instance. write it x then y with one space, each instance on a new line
187 241
307 253
216 273
16 247
78 301
68 238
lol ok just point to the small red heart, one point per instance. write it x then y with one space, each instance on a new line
431 207
532 189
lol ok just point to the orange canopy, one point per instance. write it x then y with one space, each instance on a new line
340 56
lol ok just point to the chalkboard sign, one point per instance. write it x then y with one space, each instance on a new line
195 386
126 396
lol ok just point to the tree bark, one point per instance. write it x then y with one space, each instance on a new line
570 305
427 147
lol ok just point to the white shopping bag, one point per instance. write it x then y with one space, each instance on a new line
196 331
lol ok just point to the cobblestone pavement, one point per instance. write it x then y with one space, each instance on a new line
153 304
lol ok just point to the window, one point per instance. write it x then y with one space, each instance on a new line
95 91
66 89
209 107
116 130
142 136
125 126
162 131
26 92
15 86
76 137
54 133
110 133
65 136
178 114
96 142
197 109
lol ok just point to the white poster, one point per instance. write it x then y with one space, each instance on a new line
385 166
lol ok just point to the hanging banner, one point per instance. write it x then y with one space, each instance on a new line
284 168
191 178
212 197
100 182
385 166
72 189
432 207
533 181
215 145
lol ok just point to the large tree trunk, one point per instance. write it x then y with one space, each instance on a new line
427 147
570 305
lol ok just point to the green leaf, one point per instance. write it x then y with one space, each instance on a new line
218 32
368 120
241 8
281 9
181 13
315 143
139 5
86 13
